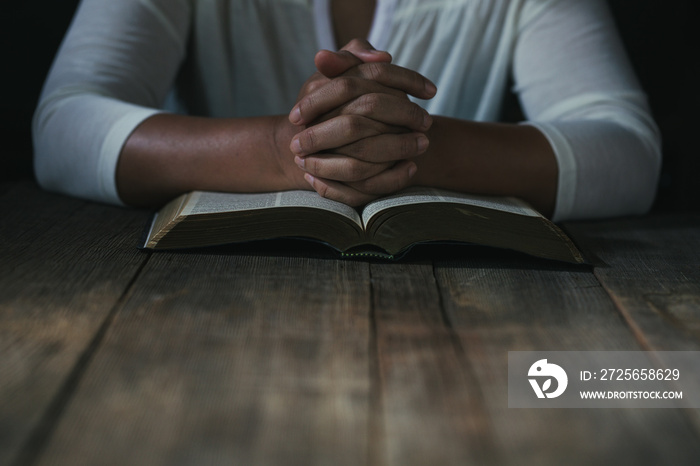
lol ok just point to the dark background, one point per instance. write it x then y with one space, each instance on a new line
659 37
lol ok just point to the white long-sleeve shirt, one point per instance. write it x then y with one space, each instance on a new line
123 61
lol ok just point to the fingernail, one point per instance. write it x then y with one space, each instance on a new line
295 116
430 88
309 179
299 161
422 143
295 146
412 170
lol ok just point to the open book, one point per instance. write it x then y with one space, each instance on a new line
386 227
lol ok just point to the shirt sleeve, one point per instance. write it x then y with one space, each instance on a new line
577 86
113 70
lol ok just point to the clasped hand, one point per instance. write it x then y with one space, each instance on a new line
358 130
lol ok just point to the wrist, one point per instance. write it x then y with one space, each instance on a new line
489 158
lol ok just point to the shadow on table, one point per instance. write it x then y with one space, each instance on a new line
444 254
642 235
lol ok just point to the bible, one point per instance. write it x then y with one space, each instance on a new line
386 227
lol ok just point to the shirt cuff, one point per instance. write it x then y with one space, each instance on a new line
112 147
566 162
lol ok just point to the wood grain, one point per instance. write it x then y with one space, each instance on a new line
259 355
651 269
60 277
519 304
431 404
225 359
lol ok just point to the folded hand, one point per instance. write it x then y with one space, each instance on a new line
361 130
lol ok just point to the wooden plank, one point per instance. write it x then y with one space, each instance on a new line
228 359
430 404
650 266
64 265
499 303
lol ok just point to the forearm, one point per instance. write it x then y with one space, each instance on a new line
168 155
171 154
490 158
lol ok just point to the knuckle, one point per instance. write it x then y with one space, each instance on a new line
374 71
368 104
408 146
355 170
419 82
314 85
312 165
307 140
346 86
355 43
306 104
352 126
417 115
360 149
322 190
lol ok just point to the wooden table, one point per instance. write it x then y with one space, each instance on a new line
278 353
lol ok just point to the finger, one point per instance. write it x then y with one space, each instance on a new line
357 51
382 78
396 77
338 191
358 137
388 181
339 167
398 114
390 110
363 50
333 133
386 147
332 64
339 91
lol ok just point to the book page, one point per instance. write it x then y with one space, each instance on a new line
212 202
421 195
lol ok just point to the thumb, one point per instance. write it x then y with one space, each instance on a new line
356 52
363 50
